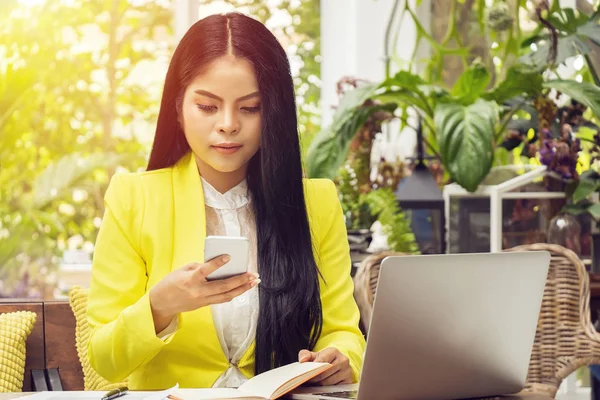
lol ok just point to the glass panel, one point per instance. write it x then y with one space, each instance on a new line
499 175
503 174
546 183
524 221
469 225
426 225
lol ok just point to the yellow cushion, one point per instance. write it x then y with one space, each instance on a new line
91 380
15 328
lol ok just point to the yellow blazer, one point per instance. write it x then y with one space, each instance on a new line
154 223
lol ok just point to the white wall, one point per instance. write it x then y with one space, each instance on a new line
352 44
185 14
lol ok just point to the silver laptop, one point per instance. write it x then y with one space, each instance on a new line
449 327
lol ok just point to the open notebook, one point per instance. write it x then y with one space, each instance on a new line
268 385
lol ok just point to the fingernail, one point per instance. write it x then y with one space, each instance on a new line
225 258
256 275
254 283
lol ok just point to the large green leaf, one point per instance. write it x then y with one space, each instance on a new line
591 30
465 135
576 209
317 164
584 92
329 149
567 20
594 211
471 83
584 189
66 172
351 100
404 98
577 29
408 89
517 82
568 46
404 79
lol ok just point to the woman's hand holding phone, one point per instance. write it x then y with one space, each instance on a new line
186 289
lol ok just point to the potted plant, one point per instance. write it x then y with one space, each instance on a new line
466 123
369 202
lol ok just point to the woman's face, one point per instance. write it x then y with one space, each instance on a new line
221 117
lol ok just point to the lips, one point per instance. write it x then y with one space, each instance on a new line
227 148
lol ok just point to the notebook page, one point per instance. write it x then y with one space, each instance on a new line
267 383
209 394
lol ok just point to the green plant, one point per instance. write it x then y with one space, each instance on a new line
36 217
61 125
464 124
581 190
352 197
384 206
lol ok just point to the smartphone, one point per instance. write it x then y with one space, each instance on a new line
236 247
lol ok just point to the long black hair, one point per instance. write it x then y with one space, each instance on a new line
290 316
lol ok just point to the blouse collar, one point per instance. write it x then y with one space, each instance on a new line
234 198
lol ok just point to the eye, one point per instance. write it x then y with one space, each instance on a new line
207 109
251 110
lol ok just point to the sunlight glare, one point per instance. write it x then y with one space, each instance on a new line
32 3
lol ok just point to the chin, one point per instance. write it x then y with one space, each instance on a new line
225 169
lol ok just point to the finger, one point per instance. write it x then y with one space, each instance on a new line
229 284
324 375
191 266
306 356
232 294
341 376
211 266
327 355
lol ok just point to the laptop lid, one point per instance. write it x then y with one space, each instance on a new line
453 325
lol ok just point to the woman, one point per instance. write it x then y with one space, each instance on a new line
225 161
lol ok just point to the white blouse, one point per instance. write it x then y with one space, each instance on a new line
231 214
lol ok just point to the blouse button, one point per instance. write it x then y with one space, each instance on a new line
242 298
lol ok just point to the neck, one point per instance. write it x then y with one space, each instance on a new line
221 181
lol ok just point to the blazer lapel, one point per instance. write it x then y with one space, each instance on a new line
188 247
189 213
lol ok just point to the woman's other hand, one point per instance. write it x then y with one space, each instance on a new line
339 374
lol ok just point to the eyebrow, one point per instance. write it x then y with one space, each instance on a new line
214 96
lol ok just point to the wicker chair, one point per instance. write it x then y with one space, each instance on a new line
365 283
565 338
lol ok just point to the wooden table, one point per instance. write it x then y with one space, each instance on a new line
525 396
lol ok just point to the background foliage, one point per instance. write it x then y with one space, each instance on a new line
80 86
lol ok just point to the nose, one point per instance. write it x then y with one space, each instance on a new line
228 123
